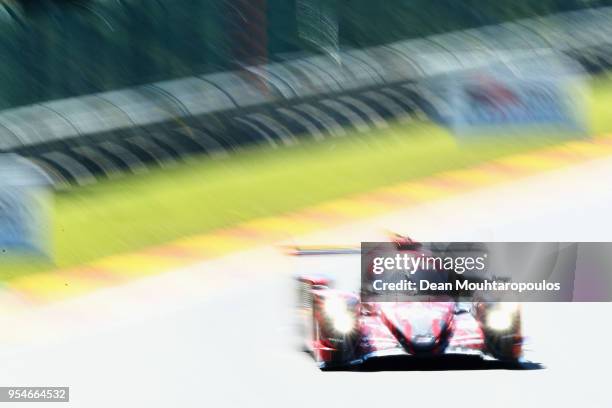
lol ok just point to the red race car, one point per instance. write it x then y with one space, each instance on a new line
340 330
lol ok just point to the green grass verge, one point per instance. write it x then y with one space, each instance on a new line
600 104
138 211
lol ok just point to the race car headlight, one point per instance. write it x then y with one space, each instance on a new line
502 316
499 320
341 318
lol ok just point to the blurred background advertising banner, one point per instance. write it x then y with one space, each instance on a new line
529 93
25 200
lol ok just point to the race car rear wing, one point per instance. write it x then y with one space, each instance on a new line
321 250
401 241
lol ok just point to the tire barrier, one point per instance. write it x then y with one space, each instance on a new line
84 139
90 157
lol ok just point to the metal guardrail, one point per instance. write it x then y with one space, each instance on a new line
79 140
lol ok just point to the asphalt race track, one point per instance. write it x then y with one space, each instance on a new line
220 334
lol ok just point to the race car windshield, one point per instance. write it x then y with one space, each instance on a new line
430 275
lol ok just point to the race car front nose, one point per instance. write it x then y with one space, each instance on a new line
423 340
